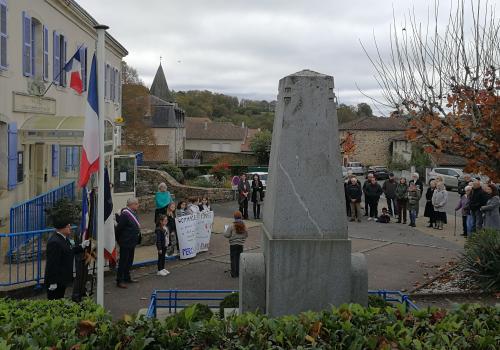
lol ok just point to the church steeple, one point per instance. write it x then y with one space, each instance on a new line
159 88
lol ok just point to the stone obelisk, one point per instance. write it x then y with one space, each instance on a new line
307 263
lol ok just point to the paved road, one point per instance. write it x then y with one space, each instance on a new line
399 257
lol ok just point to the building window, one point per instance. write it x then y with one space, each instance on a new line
20 167
59 52
3 34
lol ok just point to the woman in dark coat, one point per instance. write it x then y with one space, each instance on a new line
429 208
244 192
257 195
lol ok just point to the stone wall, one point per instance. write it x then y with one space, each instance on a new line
147 185
372 147
216 157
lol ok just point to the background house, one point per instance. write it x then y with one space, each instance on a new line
376 140
208 141
41 135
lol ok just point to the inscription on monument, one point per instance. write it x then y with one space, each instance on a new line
33 104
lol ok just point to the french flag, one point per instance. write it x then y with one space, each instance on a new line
109 225
90 154
74 67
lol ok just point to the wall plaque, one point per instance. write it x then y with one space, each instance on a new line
33 104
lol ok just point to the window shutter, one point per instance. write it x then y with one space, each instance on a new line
64 51
3 34
84 68
55 160
56 59
106 81
112 87
45 53
33 49
119 99
27 69
12 156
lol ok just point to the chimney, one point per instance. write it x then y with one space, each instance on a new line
206 125
243 125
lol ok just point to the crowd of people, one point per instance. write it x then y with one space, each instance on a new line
479 203
167 242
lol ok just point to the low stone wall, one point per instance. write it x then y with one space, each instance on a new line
147 185
216 157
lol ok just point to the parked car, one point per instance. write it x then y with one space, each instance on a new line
355 167
344 172
262 175
380 172
451 176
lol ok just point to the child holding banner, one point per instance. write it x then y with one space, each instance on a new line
237 234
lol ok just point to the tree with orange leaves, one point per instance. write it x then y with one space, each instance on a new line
448 84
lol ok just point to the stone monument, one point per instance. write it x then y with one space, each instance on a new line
307 262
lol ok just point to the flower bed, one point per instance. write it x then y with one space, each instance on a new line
65 325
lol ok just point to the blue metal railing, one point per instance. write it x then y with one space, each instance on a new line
175 298
23 265
31 216
394 296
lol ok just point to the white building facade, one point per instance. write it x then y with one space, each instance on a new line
41 133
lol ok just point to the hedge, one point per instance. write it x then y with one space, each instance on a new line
65 325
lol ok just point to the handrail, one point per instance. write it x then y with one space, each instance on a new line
173 298
43 194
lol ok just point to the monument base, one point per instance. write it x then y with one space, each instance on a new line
302 275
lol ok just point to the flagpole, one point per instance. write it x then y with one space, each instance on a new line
100 56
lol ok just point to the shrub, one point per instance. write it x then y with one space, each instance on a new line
220 171
173 171
63 324
230 301
481 259
201 182
64 208
191 173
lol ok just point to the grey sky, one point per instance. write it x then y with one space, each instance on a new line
243 48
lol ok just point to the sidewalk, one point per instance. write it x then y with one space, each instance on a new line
399 257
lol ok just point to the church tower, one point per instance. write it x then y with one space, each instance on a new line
159 88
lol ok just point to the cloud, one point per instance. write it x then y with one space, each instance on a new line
243 48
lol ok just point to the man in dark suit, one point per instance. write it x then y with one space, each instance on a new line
60 256
127 233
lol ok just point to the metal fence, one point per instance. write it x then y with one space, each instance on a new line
30 216
174 299
23 263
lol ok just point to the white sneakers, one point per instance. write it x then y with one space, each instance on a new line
163 272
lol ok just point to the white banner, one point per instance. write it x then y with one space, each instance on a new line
204 230
193 232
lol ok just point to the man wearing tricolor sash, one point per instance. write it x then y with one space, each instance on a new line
128 233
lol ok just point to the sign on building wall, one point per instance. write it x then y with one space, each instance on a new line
33 104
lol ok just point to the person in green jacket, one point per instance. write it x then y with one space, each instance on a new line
162 200
413 198
402 199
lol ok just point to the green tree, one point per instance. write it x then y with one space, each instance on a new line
134 108
364 110
346 113
261 146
